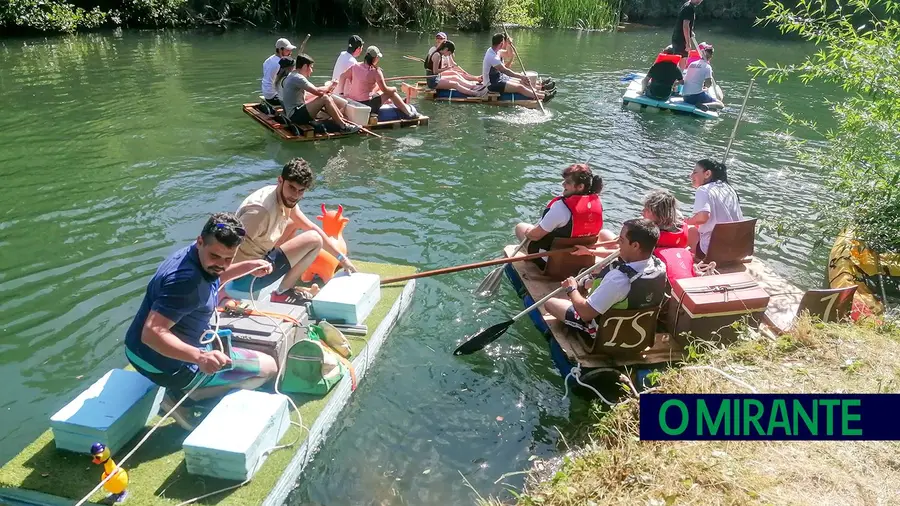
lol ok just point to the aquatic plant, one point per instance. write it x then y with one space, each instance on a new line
858 43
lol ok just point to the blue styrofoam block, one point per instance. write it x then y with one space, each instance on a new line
111 411
231 443
348 298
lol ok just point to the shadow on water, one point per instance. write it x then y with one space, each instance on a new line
138 136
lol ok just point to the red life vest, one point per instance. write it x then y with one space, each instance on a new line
672 250
674 58
586 219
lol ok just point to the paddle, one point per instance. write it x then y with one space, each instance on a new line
715 87
491 282
524 72
414 58
386 79
491 334
476 265
303 45
736 123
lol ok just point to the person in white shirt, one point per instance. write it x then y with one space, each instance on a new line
283 49
346 60
636 280
501 79
697 80
715 202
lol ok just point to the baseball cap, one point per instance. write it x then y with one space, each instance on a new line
441 35
373 52
284 44
703 46
354 42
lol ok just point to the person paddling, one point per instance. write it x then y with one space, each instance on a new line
577 213
684 31
662 77
501 79
698 79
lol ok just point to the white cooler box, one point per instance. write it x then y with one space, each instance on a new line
357 112
347 298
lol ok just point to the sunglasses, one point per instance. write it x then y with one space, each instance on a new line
238 230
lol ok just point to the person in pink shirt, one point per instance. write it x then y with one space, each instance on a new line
364 83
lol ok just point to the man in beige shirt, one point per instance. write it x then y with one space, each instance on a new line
271 219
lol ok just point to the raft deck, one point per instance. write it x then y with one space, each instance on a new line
492 98
43 475
635 98
783 303
307 133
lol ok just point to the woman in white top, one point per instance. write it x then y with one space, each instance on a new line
715 202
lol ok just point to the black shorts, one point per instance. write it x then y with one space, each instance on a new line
374 102
274 100
300 116
584 329
679 49
432 81
499 87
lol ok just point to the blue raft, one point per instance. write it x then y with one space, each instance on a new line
633 98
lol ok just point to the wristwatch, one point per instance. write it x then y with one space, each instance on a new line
571 289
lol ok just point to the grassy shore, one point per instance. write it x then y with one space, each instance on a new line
615 467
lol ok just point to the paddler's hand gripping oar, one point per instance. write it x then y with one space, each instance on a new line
491 334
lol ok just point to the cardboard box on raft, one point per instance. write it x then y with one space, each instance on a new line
347 298
232 442
709 305
111 411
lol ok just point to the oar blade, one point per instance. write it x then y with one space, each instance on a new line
483 338
489 284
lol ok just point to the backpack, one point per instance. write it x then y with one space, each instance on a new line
313 367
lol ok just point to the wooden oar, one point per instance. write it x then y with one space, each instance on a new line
715 87
738 122
414 58
524 72
303 45
477 265
491 334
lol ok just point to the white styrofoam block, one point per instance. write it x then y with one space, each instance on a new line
111 411
231 441
348 297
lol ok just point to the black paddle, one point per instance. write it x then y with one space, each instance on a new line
491 334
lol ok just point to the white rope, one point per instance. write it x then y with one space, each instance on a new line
706 268
575 372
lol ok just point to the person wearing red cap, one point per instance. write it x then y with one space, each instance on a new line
697 80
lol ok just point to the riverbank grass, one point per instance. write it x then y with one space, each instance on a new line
157 472
618 468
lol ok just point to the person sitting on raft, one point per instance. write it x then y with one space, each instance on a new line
364 83
714 202
170 341
661 207
662 77
272 218
698 79
283 49
636 280
448 61
345 60
301 112
501 79
442 78
577 213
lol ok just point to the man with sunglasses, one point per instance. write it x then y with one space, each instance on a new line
170 341
272 219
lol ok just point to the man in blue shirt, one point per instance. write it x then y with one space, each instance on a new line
170 340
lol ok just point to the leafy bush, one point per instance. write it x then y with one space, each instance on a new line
155 12
857 50
48 16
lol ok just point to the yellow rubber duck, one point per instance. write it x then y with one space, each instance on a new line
119 482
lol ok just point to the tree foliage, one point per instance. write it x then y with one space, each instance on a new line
858 45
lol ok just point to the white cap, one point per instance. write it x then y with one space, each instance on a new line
284 44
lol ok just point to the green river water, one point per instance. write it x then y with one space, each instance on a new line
117 146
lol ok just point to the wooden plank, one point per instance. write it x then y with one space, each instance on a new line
490 99
310 135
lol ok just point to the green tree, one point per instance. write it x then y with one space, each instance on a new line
858 48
